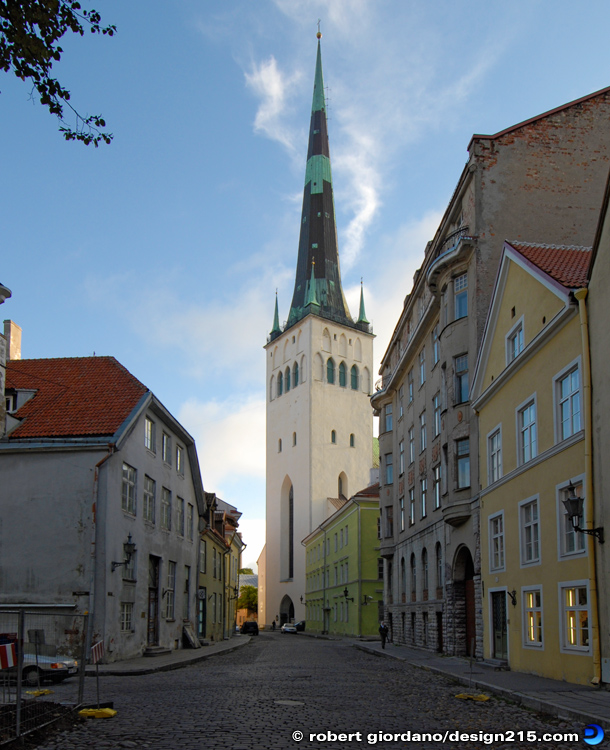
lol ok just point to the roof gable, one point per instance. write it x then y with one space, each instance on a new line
559 269
75 397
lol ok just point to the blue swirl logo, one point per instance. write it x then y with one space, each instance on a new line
594 734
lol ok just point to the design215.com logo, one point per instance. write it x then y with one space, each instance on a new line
594 734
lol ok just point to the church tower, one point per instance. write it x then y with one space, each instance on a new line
319 375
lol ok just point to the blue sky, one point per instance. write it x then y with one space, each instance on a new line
165 249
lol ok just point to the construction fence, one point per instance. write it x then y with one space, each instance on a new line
42 668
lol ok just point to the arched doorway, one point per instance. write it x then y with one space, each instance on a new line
286 610
464 604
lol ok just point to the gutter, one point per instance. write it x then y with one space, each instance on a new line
581 295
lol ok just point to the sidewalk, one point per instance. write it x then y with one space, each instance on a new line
166 662
583 703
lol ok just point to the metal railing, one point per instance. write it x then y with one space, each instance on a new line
44 679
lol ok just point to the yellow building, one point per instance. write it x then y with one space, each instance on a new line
539 598
344 572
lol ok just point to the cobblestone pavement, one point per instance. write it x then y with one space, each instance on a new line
256 697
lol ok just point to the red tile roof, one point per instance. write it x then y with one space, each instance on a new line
75 397
567 264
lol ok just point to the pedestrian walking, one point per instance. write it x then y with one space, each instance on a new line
383 632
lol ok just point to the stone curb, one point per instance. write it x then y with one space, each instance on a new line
90 671
522 699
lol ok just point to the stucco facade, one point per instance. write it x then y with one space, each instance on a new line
541 178
539 598
103 484
342 557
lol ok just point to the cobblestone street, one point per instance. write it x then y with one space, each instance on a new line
257 696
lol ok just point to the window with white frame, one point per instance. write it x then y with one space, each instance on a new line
148 504
202 556
128 493
461 379
401 402
388 417
570 542
411 506
411 444
575 614
401 504
462 461
530 531
346 534
166 509
410 384
190 521
436 348
180 516
179 459
460 295
494 456
528 440
422 366
496 542
150 435
170 591
514 342
532 618
389 468
436 404
568 403
422 432
436 486
401 453
423 486
126 616
166 448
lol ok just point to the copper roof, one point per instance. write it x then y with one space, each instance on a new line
567 264
75 397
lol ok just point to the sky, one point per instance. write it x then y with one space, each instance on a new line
166 248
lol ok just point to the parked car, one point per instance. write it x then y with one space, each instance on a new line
288 627
300 626
250 627
53 668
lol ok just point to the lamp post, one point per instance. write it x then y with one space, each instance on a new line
574 509
129 548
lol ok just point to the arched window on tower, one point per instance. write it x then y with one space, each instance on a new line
352 441
333 436
330 370
342 375
272 388
354 378
295 374
280 384
287 379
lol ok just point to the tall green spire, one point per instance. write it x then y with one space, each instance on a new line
362 313
276 330
318 236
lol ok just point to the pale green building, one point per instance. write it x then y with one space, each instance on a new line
344 572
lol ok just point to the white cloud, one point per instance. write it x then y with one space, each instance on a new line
273 88
230 438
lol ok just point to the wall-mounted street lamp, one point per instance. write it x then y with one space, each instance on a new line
129 548
513 597
574 509
347 598
366 600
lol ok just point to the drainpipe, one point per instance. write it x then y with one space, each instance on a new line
360 589
581 296
98 465
324 615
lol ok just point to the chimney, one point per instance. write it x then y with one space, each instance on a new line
12 334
